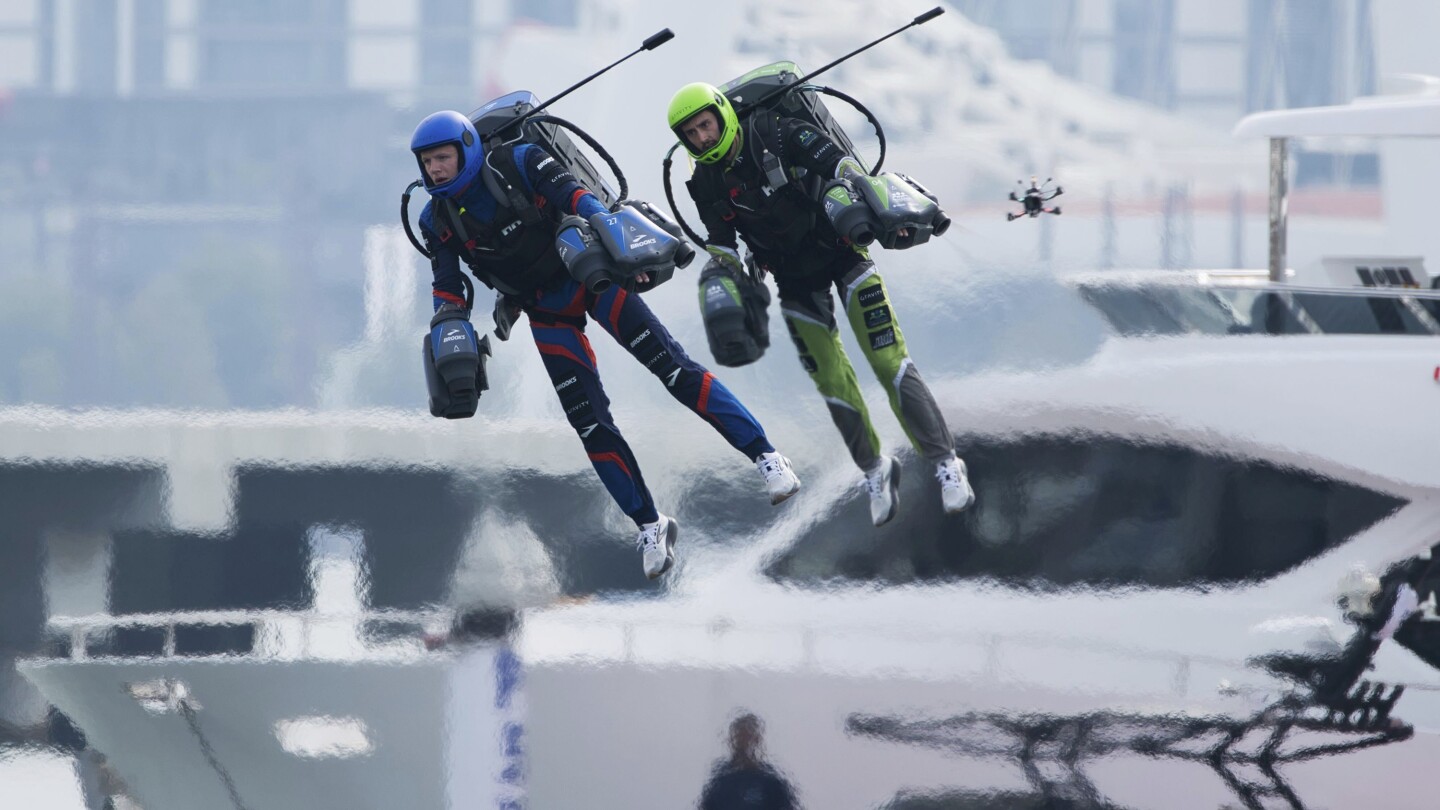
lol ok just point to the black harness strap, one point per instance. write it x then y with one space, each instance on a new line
767 151
455 220
498 181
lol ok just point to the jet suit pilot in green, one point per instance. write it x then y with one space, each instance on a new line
743 192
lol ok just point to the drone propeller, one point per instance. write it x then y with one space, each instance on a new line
1036 196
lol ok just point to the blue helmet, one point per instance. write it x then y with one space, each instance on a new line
438 129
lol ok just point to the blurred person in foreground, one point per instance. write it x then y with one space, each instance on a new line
745 780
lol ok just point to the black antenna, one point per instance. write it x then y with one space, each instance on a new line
652 42
921 20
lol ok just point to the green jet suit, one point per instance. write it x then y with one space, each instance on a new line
811 320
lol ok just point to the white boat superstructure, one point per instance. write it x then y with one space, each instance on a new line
1287 404
1094 574
733 631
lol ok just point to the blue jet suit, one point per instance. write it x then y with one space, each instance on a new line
497 243
558 307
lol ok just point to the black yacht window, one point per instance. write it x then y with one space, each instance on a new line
1067 512
1198 309
1162 309
1132 311
1358 315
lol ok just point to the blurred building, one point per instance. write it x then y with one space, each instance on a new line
232 102
1214 60
213 157
207 167
129 47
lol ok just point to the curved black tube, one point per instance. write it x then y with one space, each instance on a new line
670 198
405 218
869 116
592 143
469 290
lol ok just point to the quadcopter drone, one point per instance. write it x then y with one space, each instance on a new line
1034 201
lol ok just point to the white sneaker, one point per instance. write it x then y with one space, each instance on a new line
780 478
955 490
884 485
657 545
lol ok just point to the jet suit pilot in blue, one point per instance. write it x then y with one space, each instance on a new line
509 244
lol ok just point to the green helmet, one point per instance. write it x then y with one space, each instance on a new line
696 98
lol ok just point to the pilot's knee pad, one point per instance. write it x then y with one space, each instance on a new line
656 355
822 355
876 329
575 400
